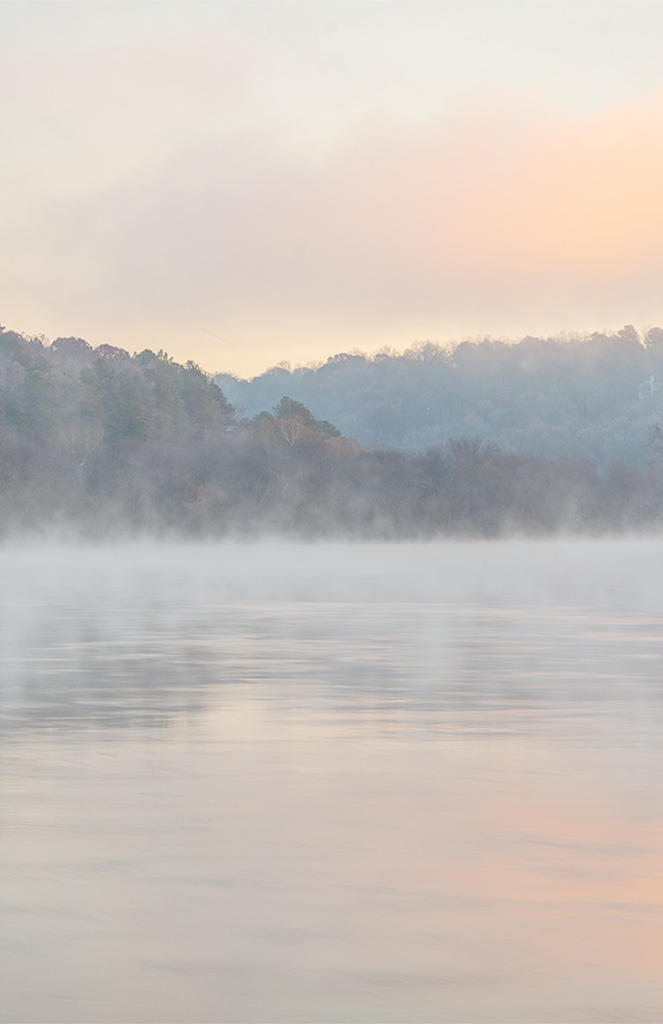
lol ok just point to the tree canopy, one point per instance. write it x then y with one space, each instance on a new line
580 397
99 442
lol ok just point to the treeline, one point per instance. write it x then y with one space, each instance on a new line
586 397
97 442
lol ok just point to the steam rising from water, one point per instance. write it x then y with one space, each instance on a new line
348 782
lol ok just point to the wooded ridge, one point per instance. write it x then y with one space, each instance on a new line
477 439
592 397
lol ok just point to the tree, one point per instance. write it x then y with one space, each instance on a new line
473 478
125 416
289 409
204 402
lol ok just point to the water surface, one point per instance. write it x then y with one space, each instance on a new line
333 782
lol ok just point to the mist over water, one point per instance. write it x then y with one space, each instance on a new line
334 782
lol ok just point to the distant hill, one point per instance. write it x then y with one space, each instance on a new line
583 397
472 440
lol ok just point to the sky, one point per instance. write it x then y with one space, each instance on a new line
243 184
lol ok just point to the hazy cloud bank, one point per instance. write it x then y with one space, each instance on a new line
496 217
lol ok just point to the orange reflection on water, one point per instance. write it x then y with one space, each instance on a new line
549 889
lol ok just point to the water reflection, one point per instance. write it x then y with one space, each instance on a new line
408 783
427 666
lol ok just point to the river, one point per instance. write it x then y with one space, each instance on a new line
333 782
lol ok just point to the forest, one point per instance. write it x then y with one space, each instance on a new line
483 439
584 397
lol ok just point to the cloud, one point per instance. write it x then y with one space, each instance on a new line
500 218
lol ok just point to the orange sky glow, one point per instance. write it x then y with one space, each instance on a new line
248 230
